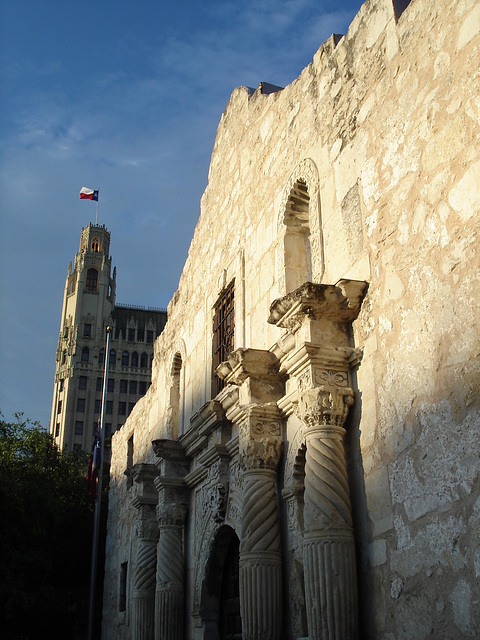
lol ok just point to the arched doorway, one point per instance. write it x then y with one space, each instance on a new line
220 608
230 621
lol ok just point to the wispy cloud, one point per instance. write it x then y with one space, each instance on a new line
132 109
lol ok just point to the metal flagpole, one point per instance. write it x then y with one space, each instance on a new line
96 215
98 500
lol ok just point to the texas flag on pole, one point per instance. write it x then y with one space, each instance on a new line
88 194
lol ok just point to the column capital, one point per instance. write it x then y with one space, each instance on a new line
171 513
260 431
325 406
146 527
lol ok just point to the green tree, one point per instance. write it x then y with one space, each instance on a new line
45 541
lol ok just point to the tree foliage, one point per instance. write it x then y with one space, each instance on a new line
45 542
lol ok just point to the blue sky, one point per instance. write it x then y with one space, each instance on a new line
123 96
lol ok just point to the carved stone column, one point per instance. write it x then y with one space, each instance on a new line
171 514
319 316
260 447
260 548
328 543
143 596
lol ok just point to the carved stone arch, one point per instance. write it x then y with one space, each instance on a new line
300 241
220 593
176 390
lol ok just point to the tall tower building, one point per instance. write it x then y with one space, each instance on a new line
88 307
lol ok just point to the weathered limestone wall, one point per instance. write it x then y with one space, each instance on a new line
383 127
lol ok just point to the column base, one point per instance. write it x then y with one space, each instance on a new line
330 585
168 614
143 610
261 595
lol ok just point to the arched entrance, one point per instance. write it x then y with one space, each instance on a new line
230 622
220 608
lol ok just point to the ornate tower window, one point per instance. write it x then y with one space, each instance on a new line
95 245
223 331
91 281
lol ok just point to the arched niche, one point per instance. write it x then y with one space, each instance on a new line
300 243
176 398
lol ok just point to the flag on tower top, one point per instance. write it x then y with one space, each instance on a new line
88 194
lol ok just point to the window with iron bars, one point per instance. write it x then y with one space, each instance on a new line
223 332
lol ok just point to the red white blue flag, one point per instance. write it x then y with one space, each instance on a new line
88 194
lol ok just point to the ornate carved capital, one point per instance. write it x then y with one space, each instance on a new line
262 453
261 441
146 527
325 405
173 501
171 514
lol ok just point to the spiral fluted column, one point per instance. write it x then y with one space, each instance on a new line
144 581
260 550
146 534
328 544
172 508
169 591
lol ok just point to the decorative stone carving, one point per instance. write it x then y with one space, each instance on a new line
325 405
260 445
260 448
171 513
319 316
170 578
146 530
327 303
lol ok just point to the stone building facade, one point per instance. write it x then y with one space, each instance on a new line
88 307
305 463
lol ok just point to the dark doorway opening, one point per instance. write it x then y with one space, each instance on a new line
230 622
220 609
